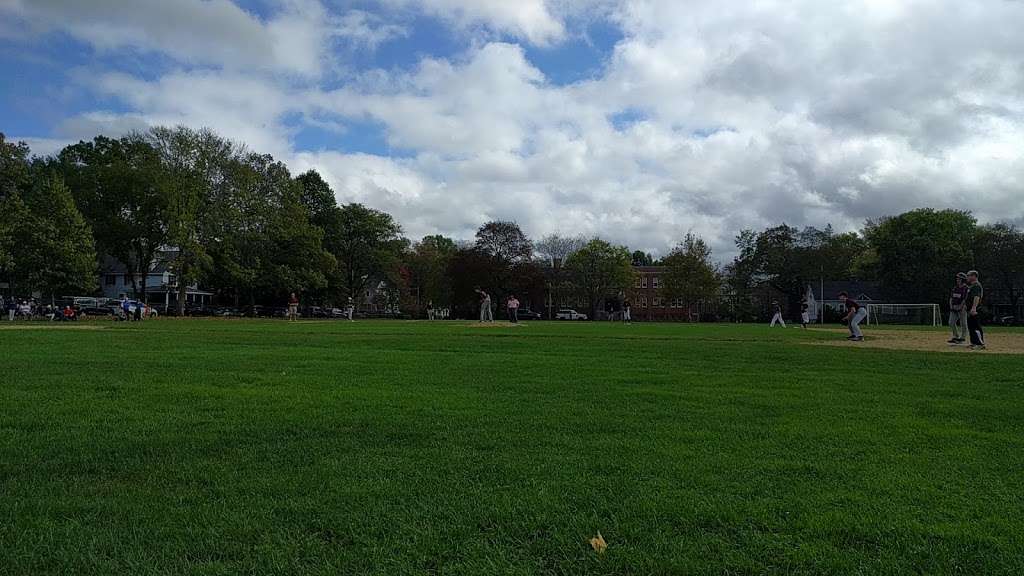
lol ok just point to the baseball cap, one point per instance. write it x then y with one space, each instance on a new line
961 275
972 273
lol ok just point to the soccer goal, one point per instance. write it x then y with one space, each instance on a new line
922 314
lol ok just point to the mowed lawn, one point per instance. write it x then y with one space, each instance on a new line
262 447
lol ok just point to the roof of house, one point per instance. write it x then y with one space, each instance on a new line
111 265
855 288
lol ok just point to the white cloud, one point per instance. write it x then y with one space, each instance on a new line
205 32
531 20
737 115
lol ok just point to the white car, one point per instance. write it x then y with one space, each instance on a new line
569 314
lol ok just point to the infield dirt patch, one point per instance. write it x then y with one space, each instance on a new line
926 341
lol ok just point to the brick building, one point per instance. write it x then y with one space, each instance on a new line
649 303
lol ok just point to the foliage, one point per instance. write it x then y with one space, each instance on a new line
640 258
116 185
690 274
365 243
505 241
998 249
427 263
600 270
920 251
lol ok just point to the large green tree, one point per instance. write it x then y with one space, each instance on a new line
600 270
555 250
504 240
45 243
690 274
787 259
918 252
428 263
365 242
998 251
63 254
116 184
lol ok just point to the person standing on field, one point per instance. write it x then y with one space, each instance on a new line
513 309
958 310
293 307
12 309
350 309
805 317
778 315
975 294
430 309
485 306
627 312
855 314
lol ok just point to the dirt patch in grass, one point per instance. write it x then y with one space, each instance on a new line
926 341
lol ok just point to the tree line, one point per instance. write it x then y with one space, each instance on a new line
241 225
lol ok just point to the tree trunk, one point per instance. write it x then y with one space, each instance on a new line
182 288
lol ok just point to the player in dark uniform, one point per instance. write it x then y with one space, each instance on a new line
855 314
975 294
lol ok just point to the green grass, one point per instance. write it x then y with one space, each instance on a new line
238 447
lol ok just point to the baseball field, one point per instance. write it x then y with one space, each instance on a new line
267 447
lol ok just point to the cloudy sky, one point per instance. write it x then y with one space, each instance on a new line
635 120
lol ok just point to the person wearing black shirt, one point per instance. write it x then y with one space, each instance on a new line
975 293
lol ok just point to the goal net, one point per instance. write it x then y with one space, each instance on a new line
922 314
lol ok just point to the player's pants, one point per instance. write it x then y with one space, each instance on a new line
513 315
778 318
10 315
977 333
805 318
859 317
958 323
485 312
350 311
626 316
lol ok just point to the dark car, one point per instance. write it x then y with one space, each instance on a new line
315 312
256 311
226 312
527 314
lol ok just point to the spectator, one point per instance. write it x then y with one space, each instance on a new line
513 309
12 309
293 307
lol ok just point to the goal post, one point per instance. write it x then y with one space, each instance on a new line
920 314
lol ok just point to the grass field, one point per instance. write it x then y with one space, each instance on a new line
250 447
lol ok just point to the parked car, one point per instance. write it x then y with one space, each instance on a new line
314 312
192 309
256 311
569 314
527 314
104 308
226 312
